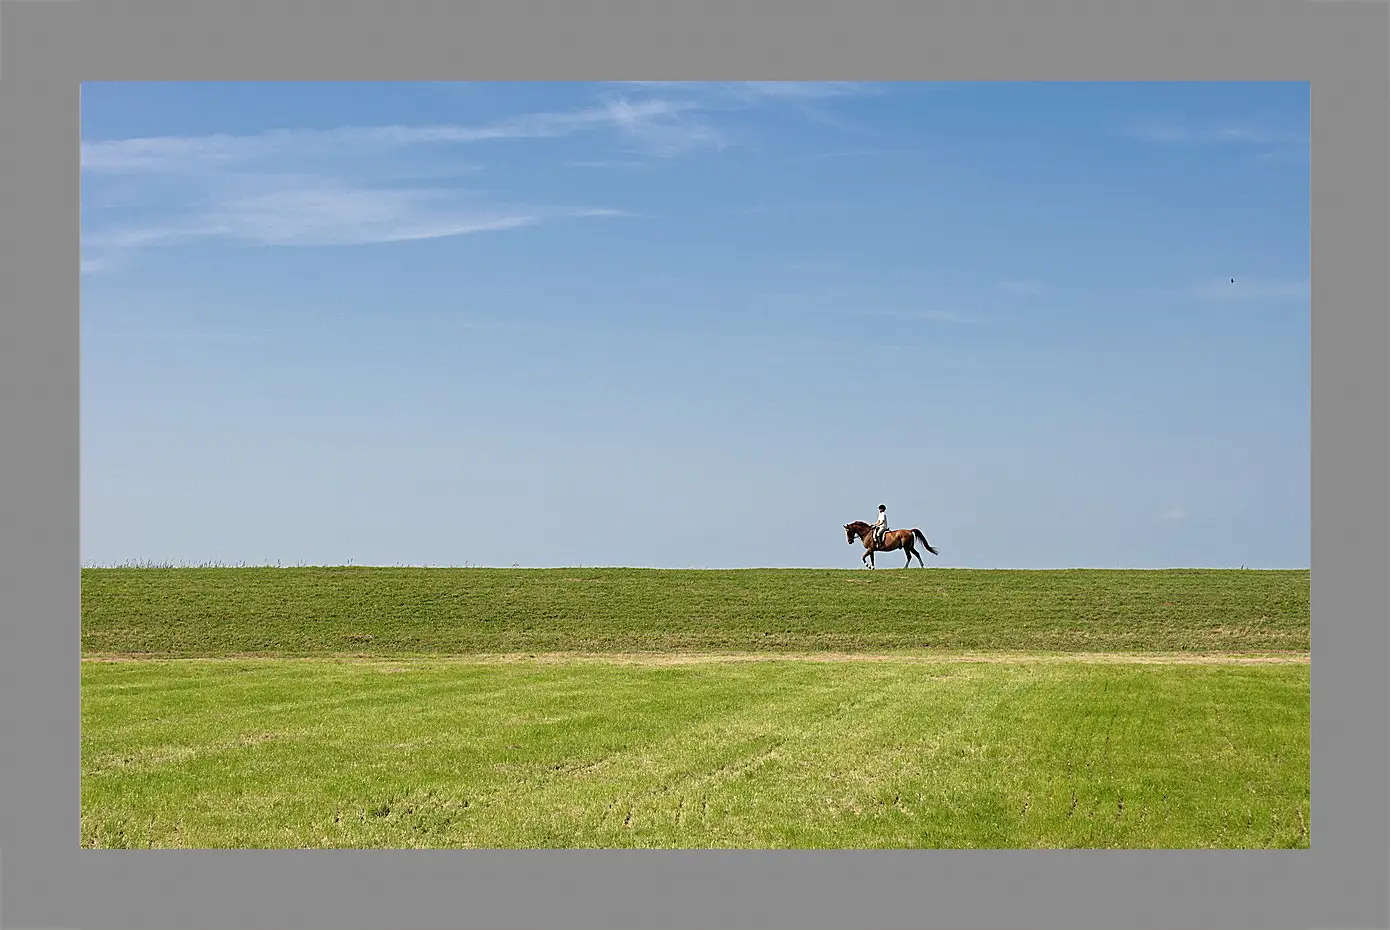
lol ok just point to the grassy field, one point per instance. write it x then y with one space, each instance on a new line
777 709
707 754
370 611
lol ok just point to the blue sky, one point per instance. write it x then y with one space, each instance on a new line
695 325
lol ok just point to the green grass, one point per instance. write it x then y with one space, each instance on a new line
402 611
755 754
953 708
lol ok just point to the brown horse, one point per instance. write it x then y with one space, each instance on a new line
893 539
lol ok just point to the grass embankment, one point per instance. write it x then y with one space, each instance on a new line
949 708
384 611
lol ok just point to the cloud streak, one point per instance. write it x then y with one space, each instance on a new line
806 97
654 120
336 187
326 216
1229 133
804 90
356 185
760 91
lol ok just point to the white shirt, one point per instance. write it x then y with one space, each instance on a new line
883 519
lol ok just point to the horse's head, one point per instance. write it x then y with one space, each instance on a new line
852 532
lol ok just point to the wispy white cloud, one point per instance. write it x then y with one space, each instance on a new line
807 97
1179 132
656 120
326 216
1242 288
94 265
351 185
1174 515
661 135
801 89
341 186
762 90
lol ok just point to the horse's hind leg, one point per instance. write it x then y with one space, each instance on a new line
908 553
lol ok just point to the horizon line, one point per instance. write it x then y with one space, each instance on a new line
152 565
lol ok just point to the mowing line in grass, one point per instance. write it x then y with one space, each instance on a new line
717 754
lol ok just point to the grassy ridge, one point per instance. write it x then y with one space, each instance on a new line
770 754
406 611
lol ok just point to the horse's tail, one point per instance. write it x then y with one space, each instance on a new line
927 545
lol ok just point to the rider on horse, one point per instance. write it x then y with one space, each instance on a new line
881 526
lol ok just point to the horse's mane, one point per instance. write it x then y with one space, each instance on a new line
859 523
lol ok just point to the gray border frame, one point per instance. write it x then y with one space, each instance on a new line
48 48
